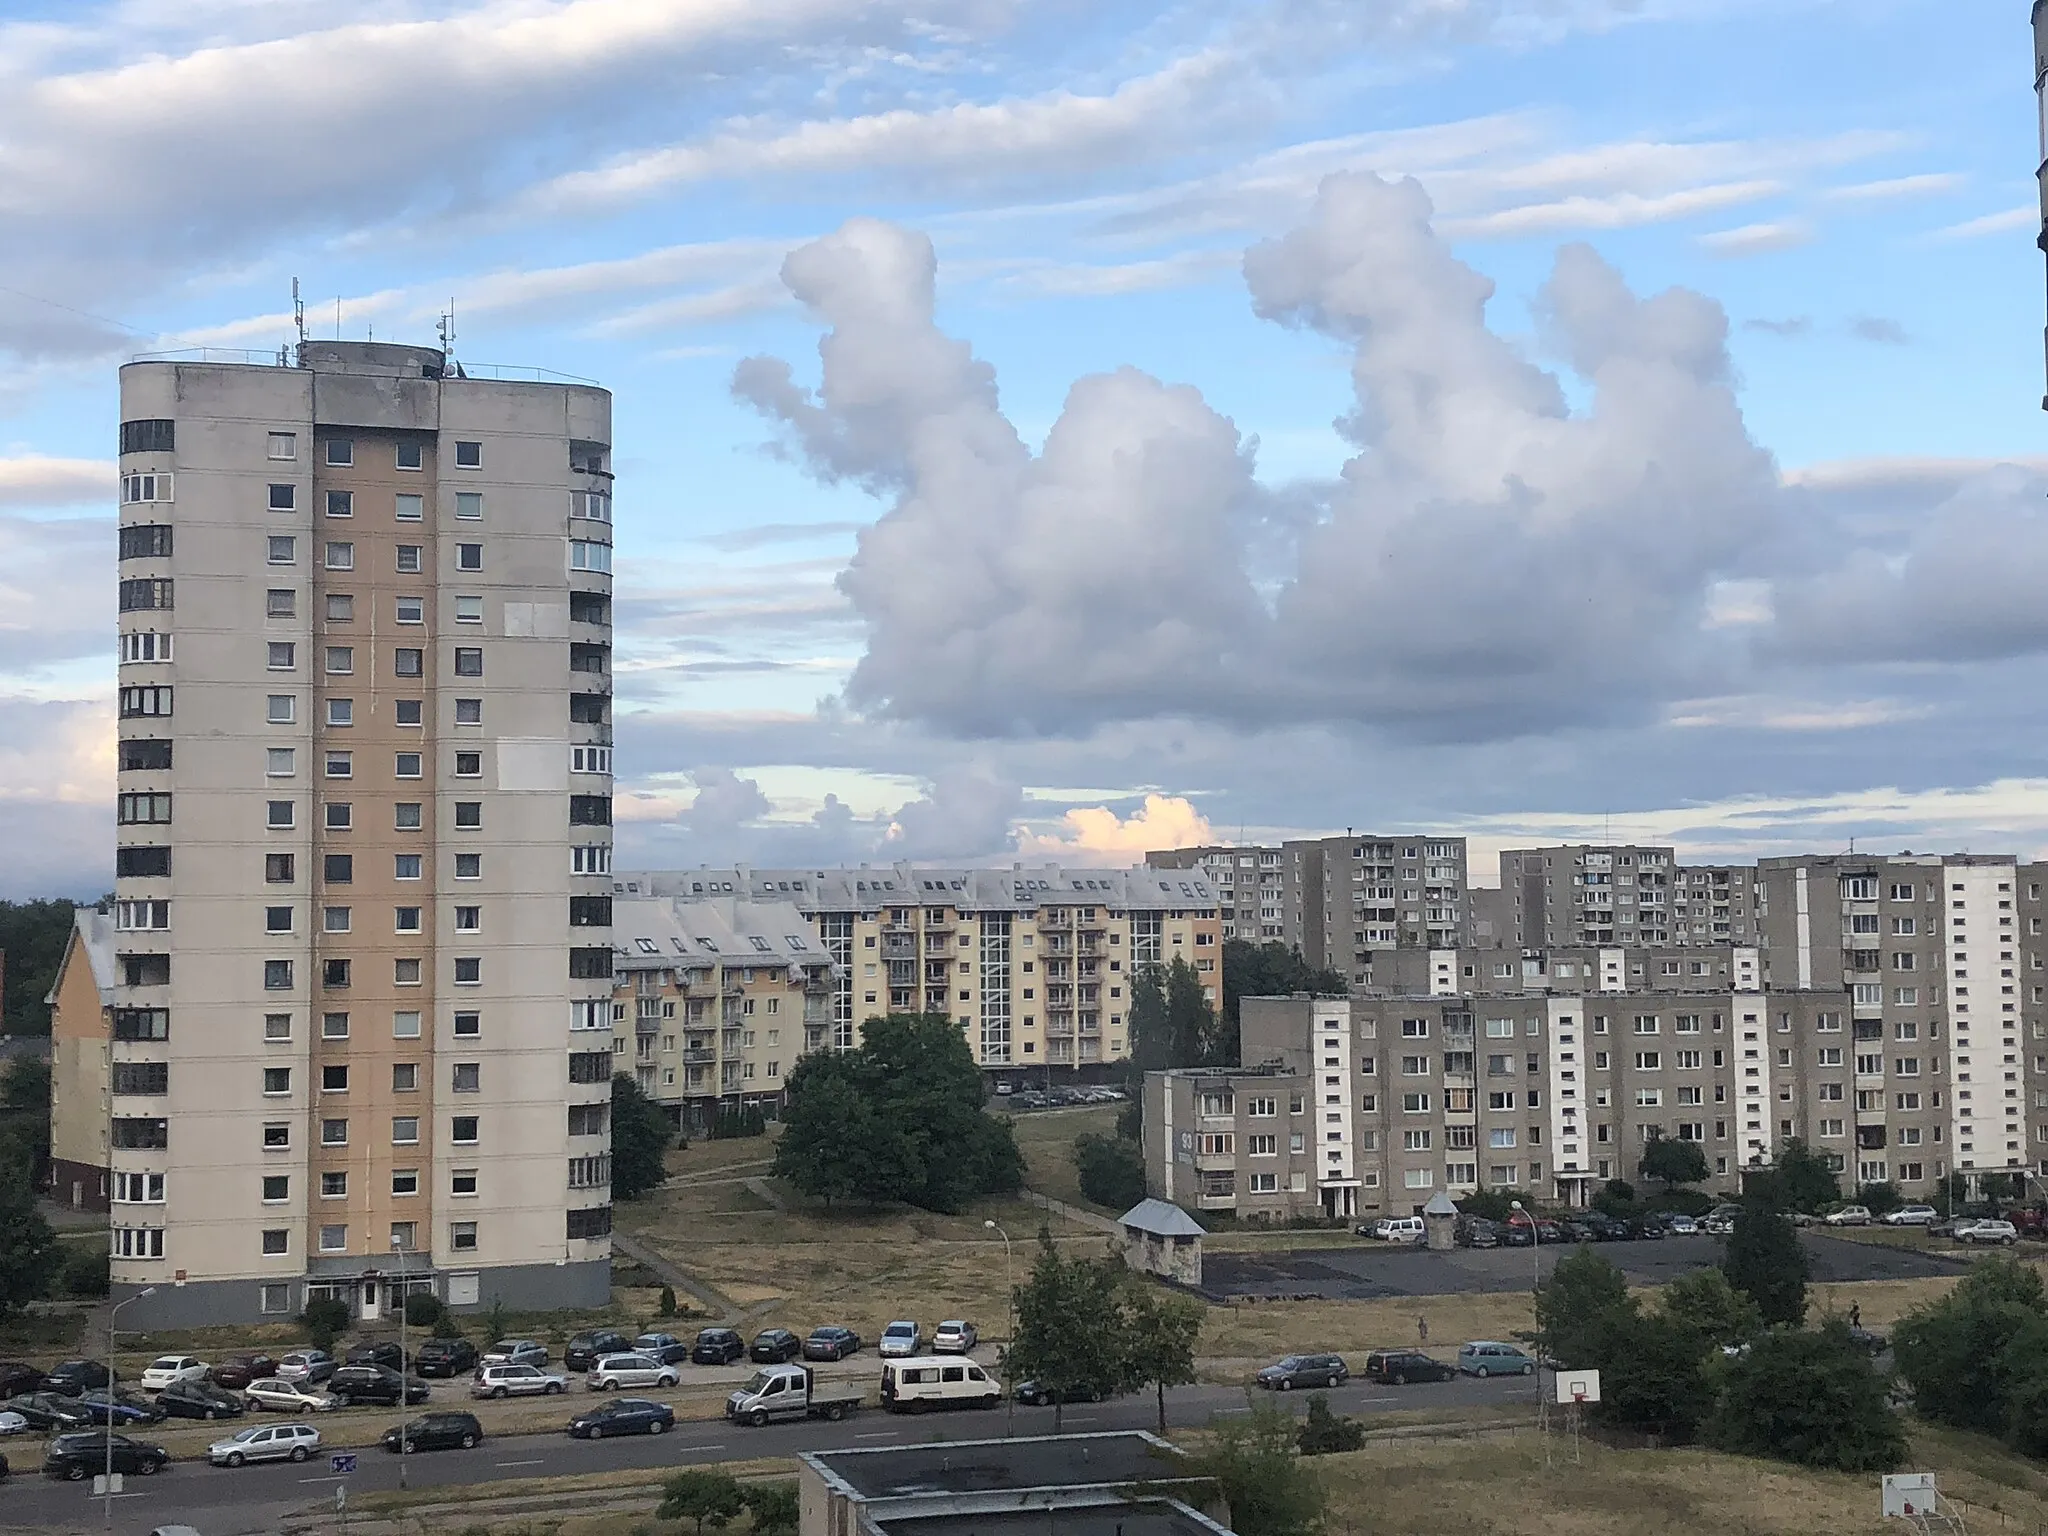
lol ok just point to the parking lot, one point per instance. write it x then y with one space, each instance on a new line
1380 1270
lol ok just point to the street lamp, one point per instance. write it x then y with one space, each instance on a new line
398 1245
147 1290
1010 1330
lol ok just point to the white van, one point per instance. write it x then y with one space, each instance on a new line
1402 1229
916 1386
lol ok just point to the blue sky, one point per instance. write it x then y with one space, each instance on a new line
610 189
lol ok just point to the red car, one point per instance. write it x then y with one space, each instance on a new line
237 1371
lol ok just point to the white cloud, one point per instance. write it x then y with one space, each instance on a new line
1991 224
1759 239
1617 210
1096 835
28 480
1927 185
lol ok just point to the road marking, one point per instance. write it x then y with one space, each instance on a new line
879 1434
334 1479
533 1463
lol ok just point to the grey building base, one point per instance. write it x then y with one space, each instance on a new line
218 1303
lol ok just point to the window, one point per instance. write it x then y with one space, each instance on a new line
469 971
341 451
333 1026
277 975
341 660
405 1181
142 1079
334 1238
462 1130
589 555
341 712
282 656
406 866
283 498
145 703
469 765
405 1130
144 754
411 559
406 816
590 810
145 809
335 919
469 455
408 711
139 862
341 555
469 813
139 1188
334 1079
466 1077
406 919
142 916
277 1137
469 557
150 594
408 661
277 919
469 866
468 1025
591 859
469 661
334 974
282 445
405 1077
411 508
405 1025
471 919
341 503
279 603
469 711
469 610
340 815
153 436
145 541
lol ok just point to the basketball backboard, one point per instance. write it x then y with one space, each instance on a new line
1907 1494
1578 1386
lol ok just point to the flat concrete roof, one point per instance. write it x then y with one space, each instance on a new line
990 1466
1149 1517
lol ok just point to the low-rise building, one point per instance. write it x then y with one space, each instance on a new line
81 1003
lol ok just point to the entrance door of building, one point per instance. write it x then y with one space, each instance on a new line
368 1309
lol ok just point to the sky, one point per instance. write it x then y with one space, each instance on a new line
1049 429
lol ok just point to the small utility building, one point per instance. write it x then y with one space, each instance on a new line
1162 1239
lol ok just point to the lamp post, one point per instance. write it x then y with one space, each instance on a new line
398 1245
147 1290
1009 1332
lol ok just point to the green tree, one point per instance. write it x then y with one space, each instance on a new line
88 1270
1070 1327
667 1306
1767 1263
1256 1465
32 939
1151 1041
835 1144
29 1255
705 1495
1705 1302
1262 970
1670 1161
1495 1204
1881 1199
1130 1120
1617 1198
1324 1432
25 1095
641 1134
1190 1021
1811 1398
1801 1180
773 1508
324 1320
1960 1352
1112 1172
1653 1373
1160 1331
1575 1304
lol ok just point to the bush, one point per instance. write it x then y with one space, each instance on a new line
86 1271
1963 1353
668 1301
1811 1398
707 1496
1324 1432
1653 1373
425 1311
1495 1204
1882 1199
736 1124
324 1321
1112 1171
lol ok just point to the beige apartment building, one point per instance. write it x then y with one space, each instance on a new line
81 1035
1034 962
715 1000
362 1000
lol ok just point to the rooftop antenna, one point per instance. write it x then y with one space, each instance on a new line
446 329
298 312
337 317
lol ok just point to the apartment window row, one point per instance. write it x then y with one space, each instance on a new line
407 453
145 703
146 541
337 975
141 1079
144 645
463 1131
339 816
154 435
142 916
466 1024
146 594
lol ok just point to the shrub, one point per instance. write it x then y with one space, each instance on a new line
773 1507
1112 1171
86 1271
1582 1295
707 1496
1811 1398
668 1301
734 1124
1324 1432
1766 1261
324 1320
425 1310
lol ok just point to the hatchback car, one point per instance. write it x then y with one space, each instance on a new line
199 1400
1848 1216
74 1377
899 1338
1304 1371
1038 1394
587 1348
435 1432
717 1346
305 1365
516 1352
613 1372
77 1457
1679 1225
1477 1232
623 1416
281 1396
50 1412
113 1405
516 1381
954 1338
165 1369
444 1357
265 1442
665 1347
1398 1367
237 1371
384 1352
772 1346
12 1423
1489 1357
831 1342
373 1384
1911 1216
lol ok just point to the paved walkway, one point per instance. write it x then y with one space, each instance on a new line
721 1307
1072 1213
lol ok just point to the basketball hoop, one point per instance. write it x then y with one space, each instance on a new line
1578 1392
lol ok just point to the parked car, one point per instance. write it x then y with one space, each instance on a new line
1604 1228
717 1346
237 1371
901 1337
587 1348
1477 1232
265 1442
831 1342
1401 1366
1575 1230
773 1346
165 1369
1911 1216
1401 1229
50 1412
516 1352
445 1357
77 1457
954 1338
435 1432
1319 1370
516 1381
373 1384
614 1372
1647 1228
1876 1343
1679 1224
1037 1394
623 1416
665 1347
910 1385
75 1377
1718 1225
1490 1357
1847 1216
311 1366
12 1423
1991 1229
281 1396
384 1352
120 1408
18 1376
199 1400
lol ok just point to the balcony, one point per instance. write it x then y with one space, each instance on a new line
699 1057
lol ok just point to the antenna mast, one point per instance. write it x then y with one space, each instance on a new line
446 328
299 313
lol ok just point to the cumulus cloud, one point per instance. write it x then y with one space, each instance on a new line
1489 563
1095 834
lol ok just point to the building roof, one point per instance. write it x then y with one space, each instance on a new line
1118 1457
657 933
92 935
1440 1204
867 888
1116 1517
1161 1218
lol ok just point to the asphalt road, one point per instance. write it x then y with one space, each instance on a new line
250 1501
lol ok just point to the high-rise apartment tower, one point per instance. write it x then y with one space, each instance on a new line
361 1010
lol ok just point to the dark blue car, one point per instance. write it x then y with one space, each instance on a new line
623 1416
119 1408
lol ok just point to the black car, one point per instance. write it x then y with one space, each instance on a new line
77 1457
1477 1232
51 1412
444 1357
623 1416
587 1348
1605 1228
665 1347
1320 1370
435 1432
717 1346
200 1400
1648 1228
119 1408
1875 1343
772 1346
1037 1394
386 1354
17 1377
74 1378
830 1342
373 1384
1398 1367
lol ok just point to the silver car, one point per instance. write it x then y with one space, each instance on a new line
286 1396
516 1352
954 1338
265 1442
615 1371
516 1381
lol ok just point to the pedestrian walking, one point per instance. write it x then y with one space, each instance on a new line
1855 1315
1422 1329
